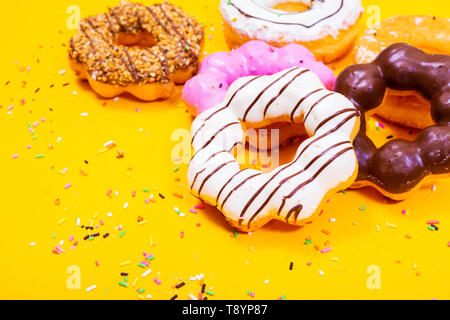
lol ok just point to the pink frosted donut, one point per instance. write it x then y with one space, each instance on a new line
219 70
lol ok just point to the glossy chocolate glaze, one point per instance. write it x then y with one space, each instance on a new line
400 165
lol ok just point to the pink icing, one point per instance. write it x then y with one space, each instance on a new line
219 70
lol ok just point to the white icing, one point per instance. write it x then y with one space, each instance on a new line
212 174
334 18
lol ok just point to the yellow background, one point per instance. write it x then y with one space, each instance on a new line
34 35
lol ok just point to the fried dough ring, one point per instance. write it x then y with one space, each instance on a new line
142 50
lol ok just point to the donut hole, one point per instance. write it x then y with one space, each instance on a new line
267 148
407 108
381 131
142 39
273 135
291 6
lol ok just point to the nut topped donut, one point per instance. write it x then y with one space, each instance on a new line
293 193
327 27
143 50
400 167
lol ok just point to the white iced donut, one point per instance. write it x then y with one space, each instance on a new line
324 163
328 28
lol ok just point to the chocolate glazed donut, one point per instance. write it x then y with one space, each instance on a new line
399 167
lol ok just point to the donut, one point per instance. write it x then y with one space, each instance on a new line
324 163
428 33
142 50
400 167
327 28
219 70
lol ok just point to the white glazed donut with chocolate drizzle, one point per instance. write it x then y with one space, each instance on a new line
324 163
327 28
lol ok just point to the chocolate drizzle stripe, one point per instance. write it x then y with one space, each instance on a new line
113 14
282 182
215 154
93 27
150 10
289 23
282 90
301 101
164 64
162 25
218 132
237 187
235 145
88 37
227 183
124 61
197 131
189 23
298 157
340 153
237 91
215 135
158 21
130 65
295 209
195 178
320 125
138 18
316 104
174 27
228 103
213 173
111 29
132 69
90 41
264 90
184 41
214 113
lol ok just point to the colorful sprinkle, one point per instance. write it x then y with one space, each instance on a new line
91 288
325 250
